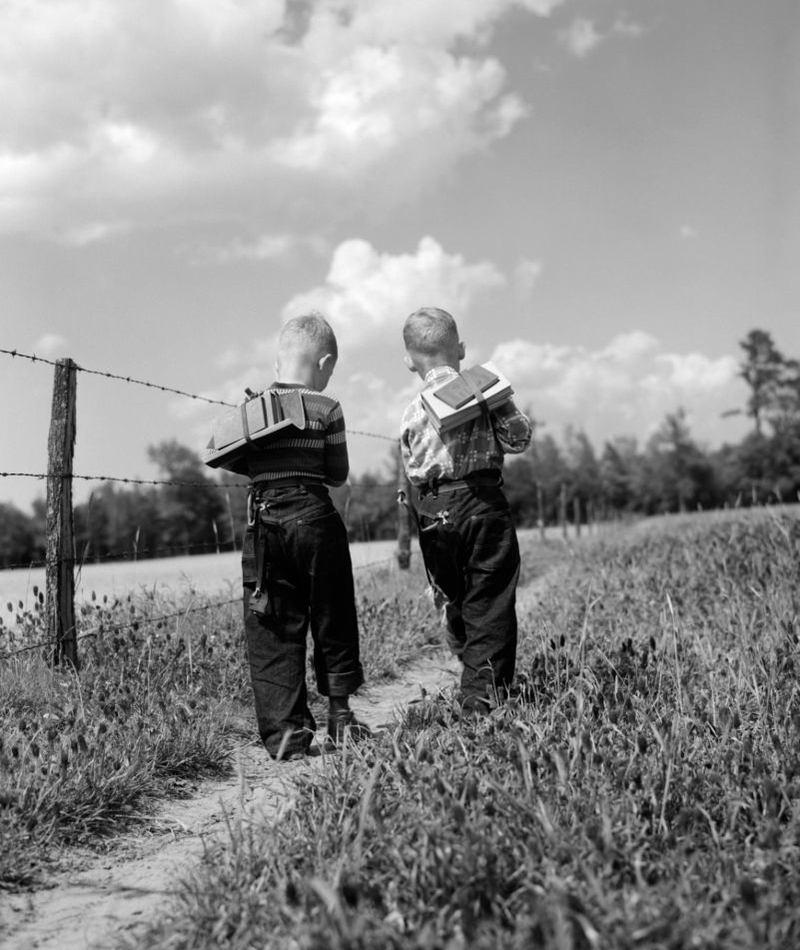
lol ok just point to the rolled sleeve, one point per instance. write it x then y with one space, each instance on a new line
512 428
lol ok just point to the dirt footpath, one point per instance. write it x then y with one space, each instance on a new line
114 894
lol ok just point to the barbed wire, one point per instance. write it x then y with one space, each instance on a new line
146 554
124 480
166 389
126 379
28 356
374 435
113 628
166 481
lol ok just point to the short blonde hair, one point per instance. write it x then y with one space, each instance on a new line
310 333
430 331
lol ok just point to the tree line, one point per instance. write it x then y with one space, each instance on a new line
195 512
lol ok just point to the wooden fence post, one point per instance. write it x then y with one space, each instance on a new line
403 518
60 570
562 510
576 515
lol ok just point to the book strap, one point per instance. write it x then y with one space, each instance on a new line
477 393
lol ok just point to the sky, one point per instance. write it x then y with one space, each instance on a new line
605 194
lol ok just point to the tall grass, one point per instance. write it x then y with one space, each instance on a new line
157 705
640 790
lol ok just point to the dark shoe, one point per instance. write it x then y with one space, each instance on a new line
344 724
474 707
297 755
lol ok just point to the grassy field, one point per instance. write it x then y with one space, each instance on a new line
640 790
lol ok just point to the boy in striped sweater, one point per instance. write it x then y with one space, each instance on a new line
296 567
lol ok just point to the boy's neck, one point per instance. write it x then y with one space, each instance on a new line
424 366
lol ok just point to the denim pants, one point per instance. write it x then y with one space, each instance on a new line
308 583
470 548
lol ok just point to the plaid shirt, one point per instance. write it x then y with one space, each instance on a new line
471 447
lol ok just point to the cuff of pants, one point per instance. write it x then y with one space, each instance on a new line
343 684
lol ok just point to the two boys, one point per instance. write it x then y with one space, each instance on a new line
296 567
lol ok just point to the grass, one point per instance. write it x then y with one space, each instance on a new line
157 705
641 789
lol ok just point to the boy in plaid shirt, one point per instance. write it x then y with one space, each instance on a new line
467 538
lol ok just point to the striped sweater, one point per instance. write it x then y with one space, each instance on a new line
318 452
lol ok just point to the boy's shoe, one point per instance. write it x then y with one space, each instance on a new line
297 756
474 707
343 724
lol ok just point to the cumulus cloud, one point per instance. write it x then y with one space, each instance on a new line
624 388
51 346
366 291
264 247
129 113
581 37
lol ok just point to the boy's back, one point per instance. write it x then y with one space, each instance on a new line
296 568
467 536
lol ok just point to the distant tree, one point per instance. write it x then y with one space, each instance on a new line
188 509
677 474
773 379
17 537
368 503
583 467
116 523
618 471
550 471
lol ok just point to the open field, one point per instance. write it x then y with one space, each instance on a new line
640 790
206 574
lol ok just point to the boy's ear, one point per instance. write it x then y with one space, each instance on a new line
462 350
327 362
409 363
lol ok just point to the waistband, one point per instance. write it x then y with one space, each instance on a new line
485 478
262 482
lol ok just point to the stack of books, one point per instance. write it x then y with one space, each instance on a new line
455 401
255 421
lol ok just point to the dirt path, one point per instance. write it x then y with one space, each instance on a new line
114 894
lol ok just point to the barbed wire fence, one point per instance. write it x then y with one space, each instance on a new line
61 634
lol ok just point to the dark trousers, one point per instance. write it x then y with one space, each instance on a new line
471 552
299 547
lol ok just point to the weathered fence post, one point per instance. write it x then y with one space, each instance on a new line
576 515
403 519
60 570
562 510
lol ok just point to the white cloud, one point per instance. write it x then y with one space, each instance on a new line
624 388
51 346
264 247
581 37
131 113
366 291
